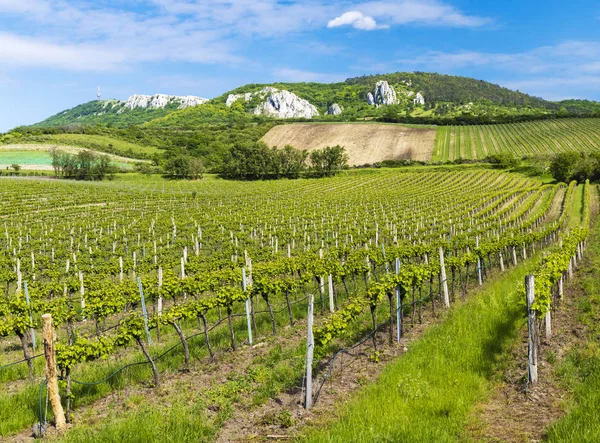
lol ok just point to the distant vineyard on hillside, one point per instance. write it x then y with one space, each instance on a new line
531 138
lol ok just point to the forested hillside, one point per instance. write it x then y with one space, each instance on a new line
415 97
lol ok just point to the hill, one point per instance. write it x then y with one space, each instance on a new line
371 143
402 96
522 139
364 143
136 110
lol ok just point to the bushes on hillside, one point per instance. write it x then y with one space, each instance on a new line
85 165
579 166
256 161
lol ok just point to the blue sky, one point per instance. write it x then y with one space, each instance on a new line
54 53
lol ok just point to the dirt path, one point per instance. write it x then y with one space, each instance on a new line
516 412
364 143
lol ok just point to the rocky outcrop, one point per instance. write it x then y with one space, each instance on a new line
285 104
161 101
419 99
232 98
382 95
334 109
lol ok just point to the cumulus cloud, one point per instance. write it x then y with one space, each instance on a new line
367 15
298 75
355 19
565 70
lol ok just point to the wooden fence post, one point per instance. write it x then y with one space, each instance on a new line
532 343
51 373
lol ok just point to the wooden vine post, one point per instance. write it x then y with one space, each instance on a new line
479 279
444 279
51 373
533 336
247 302
398 305
310 347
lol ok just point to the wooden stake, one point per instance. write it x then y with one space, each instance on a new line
532 343
310 346
444 279
51 373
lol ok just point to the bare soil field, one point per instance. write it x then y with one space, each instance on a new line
364 143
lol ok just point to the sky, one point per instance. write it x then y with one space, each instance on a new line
55 53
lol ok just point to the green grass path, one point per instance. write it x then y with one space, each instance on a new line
427 395
580 370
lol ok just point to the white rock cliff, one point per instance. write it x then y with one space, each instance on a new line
334 109
383 94
284 104
160 101
276 103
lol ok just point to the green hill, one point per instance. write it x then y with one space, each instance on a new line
539 138
105 112
446 99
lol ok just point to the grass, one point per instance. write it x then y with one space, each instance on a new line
577 207
99 143
36 158
427 395
580 370
122 146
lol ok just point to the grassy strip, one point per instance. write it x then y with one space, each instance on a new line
427 395
580 370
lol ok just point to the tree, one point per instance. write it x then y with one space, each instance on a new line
180 166
16 167
504 160
563 165
329 161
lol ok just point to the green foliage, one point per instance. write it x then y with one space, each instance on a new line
328 161
504 160
85 165
563 165
183 166
256 161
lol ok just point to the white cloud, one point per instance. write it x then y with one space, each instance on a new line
567 69
298 75
355 19
404 12
22 51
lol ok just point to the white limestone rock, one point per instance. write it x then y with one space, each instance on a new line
419 99
161 101
334 109
370 99
284 104
189 101
384 94
232 98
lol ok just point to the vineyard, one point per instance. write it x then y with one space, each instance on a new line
160 284
521 139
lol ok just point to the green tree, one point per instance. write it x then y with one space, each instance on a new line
563 165
329 161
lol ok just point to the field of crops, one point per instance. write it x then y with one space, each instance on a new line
40 160
531 138
167 283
